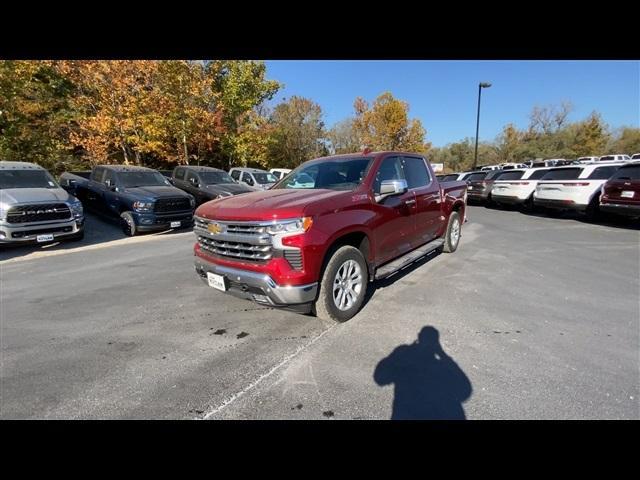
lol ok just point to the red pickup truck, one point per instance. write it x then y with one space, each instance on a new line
314 241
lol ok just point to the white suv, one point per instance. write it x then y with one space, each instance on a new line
280 173
575 187
615 158
516 187
587 159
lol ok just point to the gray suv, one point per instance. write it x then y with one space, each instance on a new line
33 207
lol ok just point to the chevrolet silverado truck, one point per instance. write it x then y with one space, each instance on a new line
33 207
206 183
142 198
313 247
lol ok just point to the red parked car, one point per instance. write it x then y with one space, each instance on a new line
621 193
314 245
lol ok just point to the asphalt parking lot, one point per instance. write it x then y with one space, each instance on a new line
532 318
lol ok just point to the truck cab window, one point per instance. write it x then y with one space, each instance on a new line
180 173
192 178
109 178
247 179
416 172
235 175
391 169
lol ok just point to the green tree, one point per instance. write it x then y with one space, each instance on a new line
626 141
241 86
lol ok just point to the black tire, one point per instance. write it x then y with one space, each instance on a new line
593 209
527 205
128 224
451 241
325 307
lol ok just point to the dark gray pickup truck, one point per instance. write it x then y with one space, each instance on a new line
206 183
142 198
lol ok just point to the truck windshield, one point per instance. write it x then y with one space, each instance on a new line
26 179
142 179
213 178
343 174
263 178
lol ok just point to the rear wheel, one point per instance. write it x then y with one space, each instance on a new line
343 285
128 224
452 236
593 209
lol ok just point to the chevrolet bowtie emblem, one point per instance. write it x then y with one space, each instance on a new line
214 228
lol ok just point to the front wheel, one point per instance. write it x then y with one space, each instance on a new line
452 236
343 285
128 224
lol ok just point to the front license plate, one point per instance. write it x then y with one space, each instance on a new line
175 224
44 238
627 193
216 281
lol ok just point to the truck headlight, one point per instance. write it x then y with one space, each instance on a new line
4 208
76 209
143 206
295 225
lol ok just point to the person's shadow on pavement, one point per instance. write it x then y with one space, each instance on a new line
428 383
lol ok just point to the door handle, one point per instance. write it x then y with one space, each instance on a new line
409 202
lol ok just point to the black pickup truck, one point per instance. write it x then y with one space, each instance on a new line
206 183
142 198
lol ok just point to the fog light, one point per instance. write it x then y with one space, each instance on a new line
146 221
260 298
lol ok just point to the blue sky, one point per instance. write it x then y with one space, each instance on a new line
443 94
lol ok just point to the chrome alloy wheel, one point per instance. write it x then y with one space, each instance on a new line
455 231
347 285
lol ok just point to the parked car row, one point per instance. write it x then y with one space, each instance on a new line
590 188
35 208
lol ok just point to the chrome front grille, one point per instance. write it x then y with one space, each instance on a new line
244 241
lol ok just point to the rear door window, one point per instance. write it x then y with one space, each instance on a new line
511 176
538 174
415 172
603 173
475 177
627 173
562 174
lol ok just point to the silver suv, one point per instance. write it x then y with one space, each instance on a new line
253 177
33 207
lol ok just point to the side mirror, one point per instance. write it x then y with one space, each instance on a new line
389 188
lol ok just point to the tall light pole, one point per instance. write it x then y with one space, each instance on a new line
481 85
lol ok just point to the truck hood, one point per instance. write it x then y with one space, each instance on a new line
156 191
265 205
228 188
34 195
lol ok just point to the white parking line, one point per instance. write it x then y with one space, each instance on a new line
240 393
113 243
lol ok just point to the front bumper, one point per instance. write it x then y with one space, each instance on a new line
148 222
24 234
621 209
559 204
258 287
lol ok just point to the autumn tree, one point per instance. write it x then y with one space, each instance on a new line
591 137
626 140
343 137
298 132
385 125
35 114
508 144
